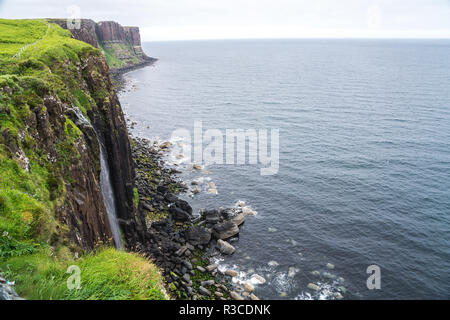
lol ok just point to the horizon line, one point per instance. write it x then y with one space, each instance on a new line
303 38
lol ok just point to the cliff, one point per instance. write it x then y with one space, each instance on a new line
57 107
120 45
50 159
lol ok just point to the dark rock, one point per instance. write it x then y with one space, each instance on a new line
204 291
212 216
198 235
162 189
225 230
207 283
179 214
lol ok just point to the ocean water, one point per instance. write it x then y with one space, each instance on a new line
364 175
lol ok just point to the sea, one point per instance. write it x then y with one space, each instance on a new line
359 205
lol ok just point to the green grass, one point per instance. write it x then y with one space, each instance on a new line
119 49
105 275
14 34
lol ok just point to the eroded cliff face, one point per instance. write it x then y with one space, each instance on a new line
50 159
109 120
121 45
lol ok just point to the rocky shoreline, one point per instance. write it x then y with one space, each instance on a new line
180 242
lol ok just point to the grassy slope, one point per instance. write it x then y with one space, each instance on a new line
28 198
119 49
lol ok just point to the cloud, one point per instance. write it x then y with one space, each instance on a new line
199 19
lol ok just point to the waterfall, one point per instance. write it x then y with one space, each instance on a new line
108 196
105 184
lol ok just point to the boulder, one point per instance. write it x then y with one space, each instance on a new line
225 247
313 286
225 230
183 205
207 283
178 214
238 219
198 235
258 278
253 297
248 287
165 145
204 291
236 296
201 269
231 273
212 267
211 216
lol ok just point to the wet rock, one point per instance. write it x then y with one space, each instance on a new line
198 235
313 286
248 287
238 219
225 230
212 267
330 266
258 278
213 191
236 296
195 190
253 297
165 145
197 167
211 216
338 296
231 273
225 247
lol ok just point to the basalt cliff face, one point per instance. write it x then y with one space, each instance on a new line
57 104
121 45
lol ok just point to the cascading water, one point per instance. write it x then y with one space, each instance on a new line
108 196
105 185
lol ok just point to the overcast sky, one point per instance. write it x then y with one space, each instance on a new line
221 19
